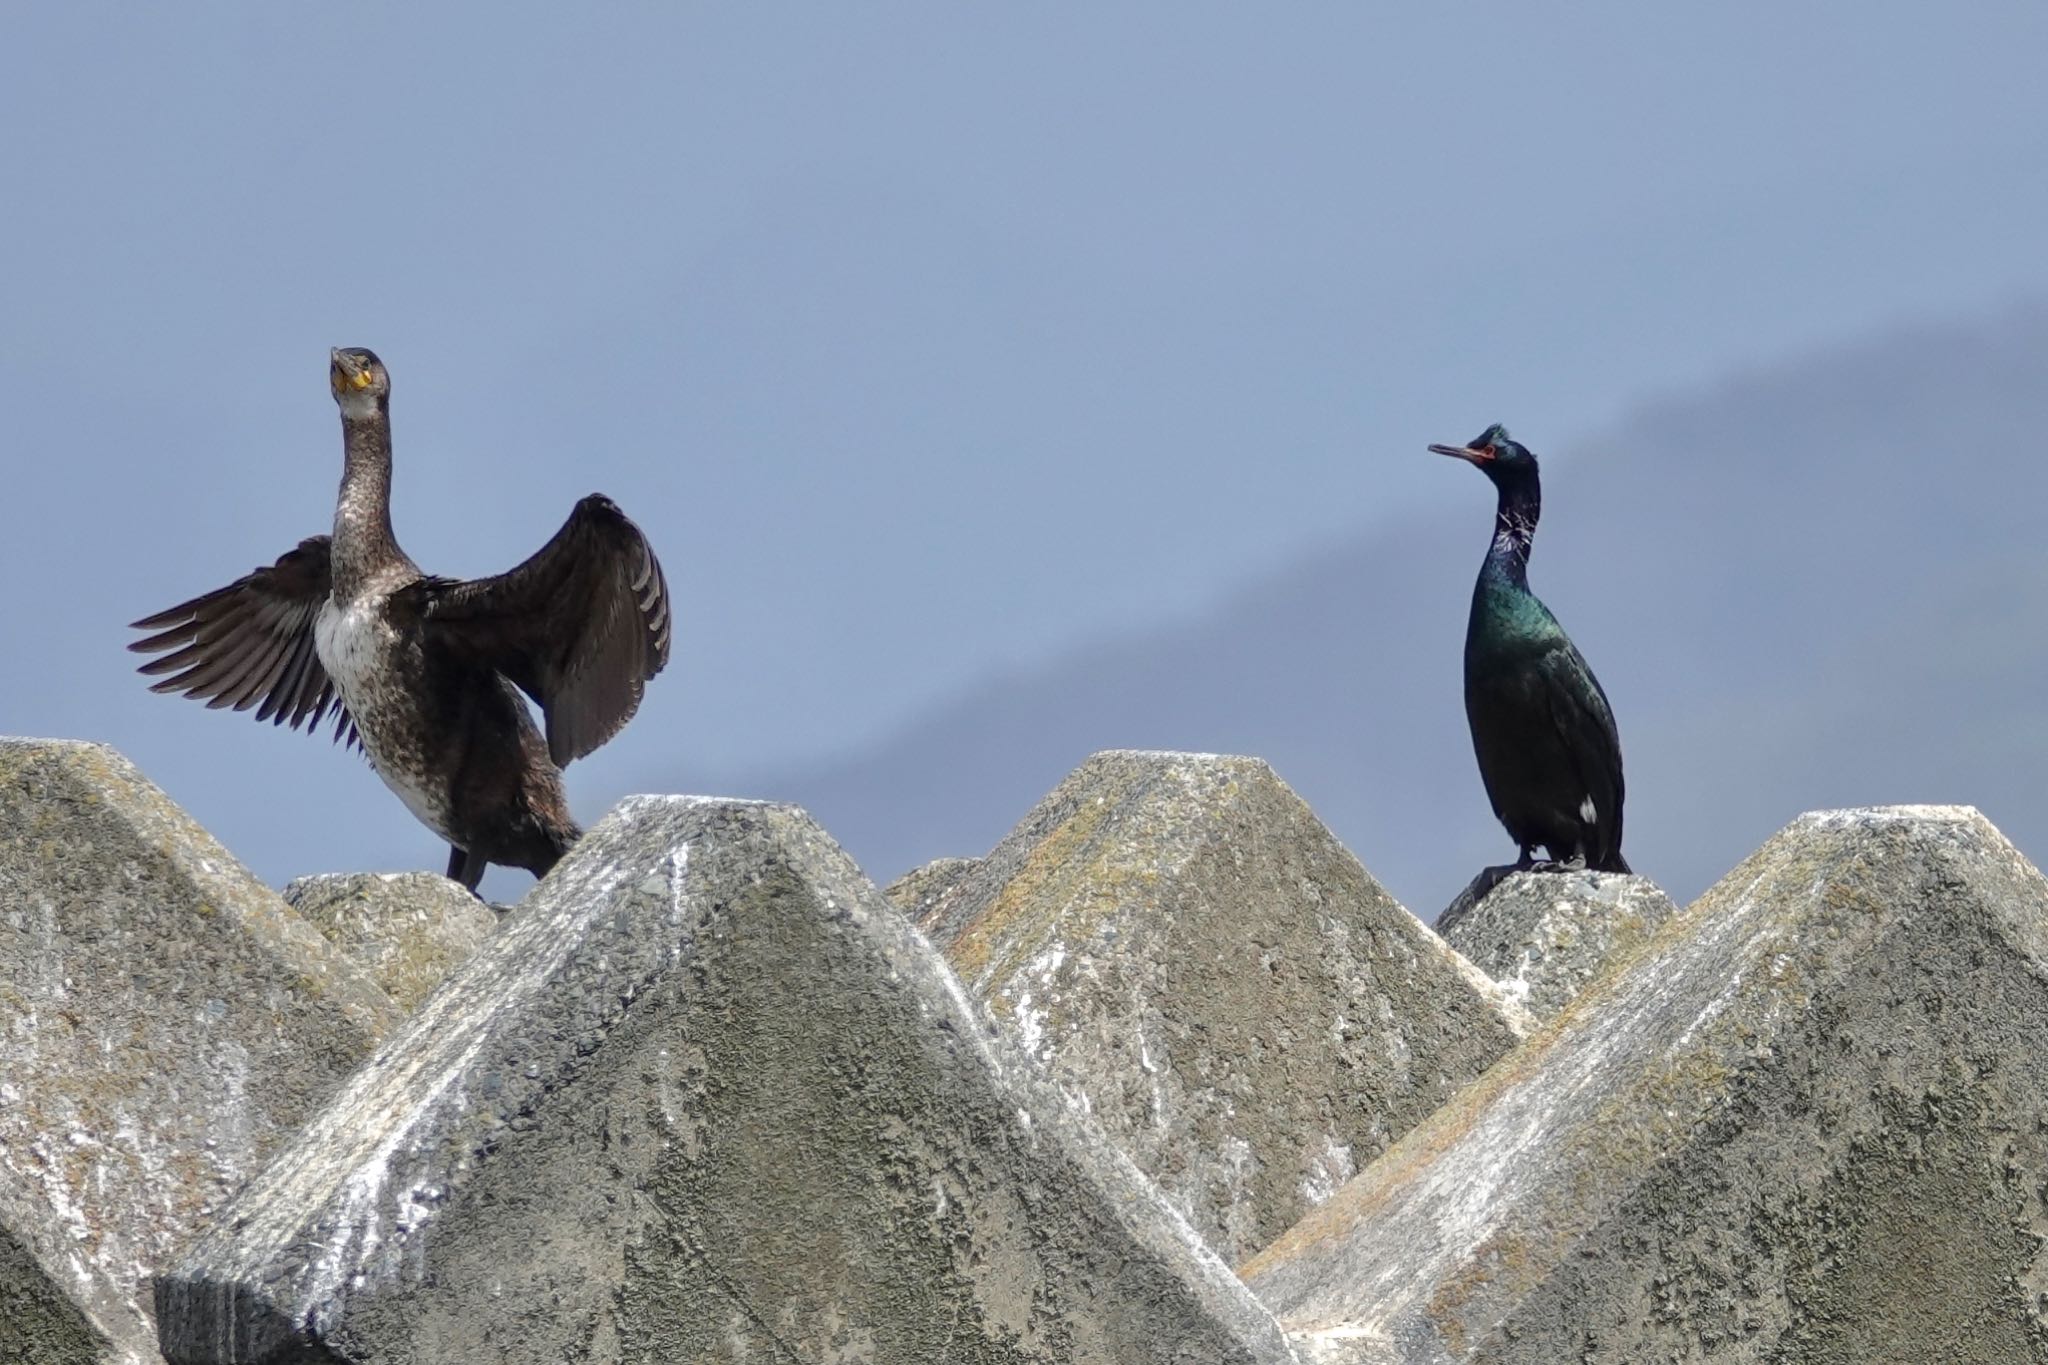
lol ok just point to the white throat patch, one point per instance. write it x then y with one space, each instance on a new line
357 403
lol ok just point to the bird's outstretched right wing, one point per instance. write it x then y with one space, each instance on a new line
580 627
251 644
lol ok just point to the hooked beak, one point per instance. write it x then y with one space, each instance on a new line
1474 454
342 371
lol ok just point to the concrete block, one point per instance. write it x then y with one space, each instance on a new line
406 929
705 1095
1544 935
1808 1121
1189 953
165 1023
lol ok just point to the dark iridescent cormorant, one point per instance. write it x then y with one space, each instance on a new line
1548 750
426 673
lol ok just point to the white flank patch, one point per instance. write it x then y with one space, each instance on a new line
357 651
347 640
1588 811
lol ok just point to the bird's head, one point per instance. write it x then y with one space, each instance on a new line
1501 458
360 382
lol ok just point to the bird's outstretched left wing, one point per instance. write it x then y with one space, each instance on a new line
251 644
580 627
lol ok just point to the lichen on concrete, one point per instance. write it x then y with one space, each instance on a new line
1807 1121
1194 959
165 1023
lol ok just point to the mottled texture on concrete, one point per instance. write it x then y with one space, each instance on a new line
406 929
1544 935
1185 949
165 1022
919 891
705 1096
1807 1122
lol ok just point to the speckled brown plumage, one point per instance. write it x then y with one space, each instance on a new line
427 672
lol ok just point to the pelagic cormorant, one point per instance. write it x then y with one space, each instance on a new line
426 673
1548 750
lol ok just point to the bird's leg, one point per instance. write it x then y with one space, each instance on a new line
466 867
1527 862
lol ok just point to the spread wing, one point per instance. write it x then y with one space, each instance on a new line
251 644
580 627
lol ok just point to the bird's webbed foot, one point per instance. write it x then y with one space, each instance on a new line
1575 863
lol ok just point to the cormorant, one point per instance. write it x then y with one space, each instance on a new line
425 673
1548 750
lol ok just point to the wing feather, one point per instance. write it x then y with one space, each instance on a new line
580 627
251 643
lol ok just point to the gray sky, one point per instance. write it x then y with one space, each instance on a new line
925 341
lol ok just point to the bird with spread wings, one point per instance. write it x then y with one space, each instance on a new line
425 673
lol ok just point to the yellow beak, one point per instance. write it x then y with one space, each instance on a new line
341 370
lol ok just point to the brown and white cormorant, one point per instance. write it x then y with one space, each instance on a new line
426 673
1548 750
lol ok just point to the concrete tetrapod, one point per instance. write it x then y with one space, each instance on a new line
1191 954
921 888
1544 935
165 1023
705 1095
406 929
1808 1121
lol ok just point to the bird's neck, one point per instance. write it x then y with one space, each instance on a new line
1514 530
363 540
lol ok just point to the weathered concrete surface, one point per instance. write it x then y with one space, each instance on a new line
1808 1122
1544 935
406 929
165 1022
705 1096
918 892
1186 950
